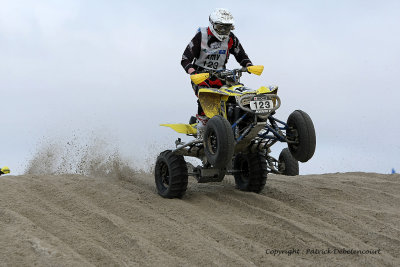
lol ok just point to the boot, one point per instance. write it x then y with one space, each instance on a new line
201 125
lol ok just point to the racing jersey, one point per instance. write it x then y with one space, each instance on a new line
207 52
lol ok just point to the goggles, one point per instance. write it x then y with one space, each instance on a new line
223 29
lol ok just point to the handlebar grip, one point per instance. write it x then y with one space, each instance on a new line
243 69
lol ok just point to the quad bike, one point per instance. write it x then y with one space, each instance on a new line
236 139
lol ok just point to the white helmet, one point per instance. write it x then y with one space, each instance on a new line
221 23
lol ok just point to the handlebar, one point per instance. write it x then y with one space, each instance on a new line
224 73
257 69
235 74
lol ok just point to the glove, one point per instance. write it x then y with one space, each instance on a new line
248 65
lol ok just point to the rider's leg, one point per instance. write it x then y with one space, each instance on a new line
202 119
200 116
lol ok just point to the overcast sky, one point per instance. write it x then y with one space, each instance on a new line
112 69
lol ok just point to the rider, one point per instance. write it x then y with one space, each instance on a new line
210 49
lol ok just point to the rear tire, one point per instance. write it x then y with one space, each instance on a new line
171 175
302 131
218 141
253 172
287 164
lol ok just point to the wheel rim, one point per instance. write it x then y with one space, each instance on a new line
212 142
164 175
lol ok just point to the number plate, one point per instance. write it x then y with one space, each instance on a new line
261 105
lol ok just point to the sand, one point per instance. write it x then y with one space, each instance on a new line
71 220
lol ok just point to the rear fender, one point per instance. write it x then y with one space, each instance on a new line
182 128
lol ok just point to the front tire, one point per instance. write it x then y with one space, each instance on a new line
218 141
302 131
287 164
171 175
251 172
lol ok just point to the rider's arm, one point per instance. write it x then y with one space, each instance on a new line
237 50
191 52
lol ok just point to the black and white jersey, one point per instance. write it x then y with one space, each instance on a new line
205 51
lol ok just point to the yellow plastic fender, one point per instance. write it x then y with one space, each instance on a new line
267 90
5 170
211 100
257 70
199 78
182 128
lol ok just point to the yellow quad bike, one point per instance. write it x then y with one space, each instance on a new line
237 138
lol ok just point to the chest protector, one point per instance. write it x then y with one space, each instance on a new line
214 57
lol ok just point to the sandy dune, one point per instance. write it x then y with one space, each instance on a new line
72 220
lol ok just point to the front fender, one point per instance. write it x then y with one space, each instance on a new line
210 100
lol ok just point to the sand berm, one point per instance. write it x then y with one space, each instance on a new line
71 220
80 220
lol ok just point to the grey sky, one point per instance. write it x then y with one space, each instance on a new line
113 68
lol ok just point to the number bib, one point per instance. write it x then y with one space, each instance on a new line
212 58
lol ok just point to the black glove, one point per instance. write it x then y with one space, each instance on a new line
248 65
